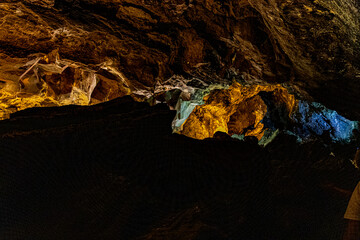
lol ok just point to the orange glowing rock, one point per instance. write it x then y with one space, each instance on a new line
282 96
236 110
10 103
248 115
50 81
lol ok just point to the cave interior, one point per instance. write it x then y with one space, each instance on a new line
178 119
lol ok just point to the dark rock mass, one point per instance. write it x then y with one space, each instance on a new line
115 170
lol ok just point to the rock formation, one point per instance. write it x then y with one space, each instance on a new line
85 52
312 46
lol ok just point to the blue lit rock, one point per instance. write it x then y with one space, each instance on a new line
309 121
313 119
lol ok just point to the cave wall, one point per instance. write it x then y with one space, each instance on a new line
312 46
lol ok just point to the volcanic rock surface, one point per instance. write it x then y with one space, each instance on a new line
312 46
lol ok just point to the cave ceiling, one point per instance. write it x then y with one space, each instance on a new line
244 67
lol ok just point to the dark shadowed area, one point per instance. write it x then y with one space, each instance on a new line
115 171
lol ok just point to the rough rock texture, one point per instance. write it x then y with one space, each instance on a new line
256 110
310 45
236 110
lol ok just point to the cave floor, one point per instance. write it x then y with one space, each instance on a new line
115 171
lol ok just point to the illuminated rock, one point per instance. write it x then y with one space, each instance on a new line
249 114
262 111
313 119
110 49
49 81
236 110
312 46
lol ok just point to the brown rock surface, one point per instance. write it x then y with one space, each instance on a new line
236 110
310 45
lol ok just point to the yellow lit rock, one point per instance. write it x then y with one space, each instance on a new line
248 115
308 8
282 96
49 81
10 103
236 110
